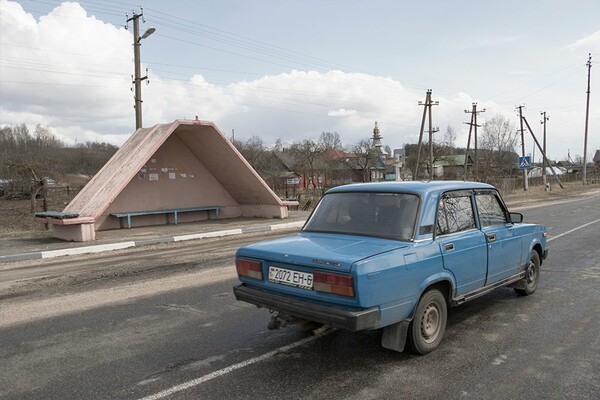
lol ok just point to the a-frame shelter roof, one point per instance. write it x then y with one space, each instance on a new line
202 138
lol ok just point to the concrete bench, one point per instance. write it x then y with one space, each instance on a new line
55 215
173 211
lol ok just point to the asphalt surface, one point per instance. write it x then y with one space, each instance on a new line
135 323
32 248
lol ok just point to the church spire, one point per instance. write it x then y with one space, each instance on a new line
376 138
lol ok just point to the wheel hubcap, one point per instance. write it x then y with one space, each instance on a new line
531 273
430 323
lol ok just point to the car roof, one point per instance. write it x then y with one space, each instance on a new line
421 188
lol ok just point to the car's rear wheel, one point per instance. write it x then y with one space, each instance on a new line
532 275
429 324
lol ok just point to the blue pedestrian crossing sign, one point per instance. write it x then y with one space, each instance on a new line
525 162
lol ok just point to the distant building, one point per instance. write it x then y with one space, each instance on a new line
451 167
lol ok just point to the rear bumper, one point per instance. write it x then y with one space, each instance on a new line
351 320
545 255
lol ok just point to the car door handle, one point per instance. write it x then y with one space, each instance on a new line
449 247
491 237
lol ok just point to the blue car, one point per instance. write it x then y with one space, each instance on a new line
393 255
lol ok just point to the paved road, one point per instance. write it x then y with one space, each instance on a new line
132 324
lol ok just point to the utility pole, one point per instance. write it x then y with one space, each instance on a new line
545 161
472 124
426 107
468 144
587 115
543 152
525 177
137 80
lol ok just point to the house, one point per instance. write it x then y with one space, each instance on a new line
451 167
537 172
569 166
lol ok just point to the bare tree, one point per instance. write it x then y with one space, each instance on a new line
86 158
449 138
278 146
254 151
364 157
330 141
307 154
28 160
498 141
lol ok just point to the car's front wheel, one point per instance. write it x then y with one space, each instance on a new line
429 324
532 275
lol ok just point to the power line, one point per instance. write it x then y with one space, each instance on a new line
99 10
571 66
250 41
53 84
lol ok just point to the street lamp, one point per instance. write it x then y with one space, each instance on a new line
137 81
148 32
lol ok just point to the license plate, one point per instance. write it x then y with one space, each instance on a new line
288 277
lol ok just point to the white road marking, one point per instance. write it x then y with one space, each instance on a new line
207 235
87 249
288 225
572 230
231 368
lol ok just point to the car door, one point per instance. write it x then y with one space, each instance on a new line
503 242
463 246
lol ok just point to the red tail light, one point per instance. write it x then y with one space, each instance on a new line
333 283
249 268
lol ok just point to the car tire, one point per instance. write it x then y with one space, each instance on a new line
429 324
532 275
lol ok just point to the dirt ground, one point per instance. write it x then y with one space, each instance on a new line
16 219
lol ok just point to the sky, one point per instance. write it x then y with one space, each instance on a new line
293 69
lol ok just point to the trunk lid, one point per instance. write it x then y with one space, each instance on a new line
332 252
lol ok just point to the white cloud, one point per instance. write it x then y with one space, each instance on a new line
72 73
587 43
341 112
67 69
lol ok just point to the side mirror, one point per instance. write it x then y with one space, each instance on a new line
515 217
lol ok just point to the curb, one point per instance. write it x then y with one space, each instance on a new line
146 242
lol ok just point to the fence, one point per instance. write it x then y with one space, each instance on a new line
510 184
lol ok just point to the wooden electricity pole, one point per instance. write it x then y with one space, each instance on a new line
545 162
525 177
426 107
587 117
138 78
542 151
472 124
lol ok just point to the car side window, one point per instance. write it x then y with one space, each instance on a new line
455 214
489 209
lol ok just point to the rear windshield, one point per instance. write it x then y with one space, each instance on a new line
388 215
